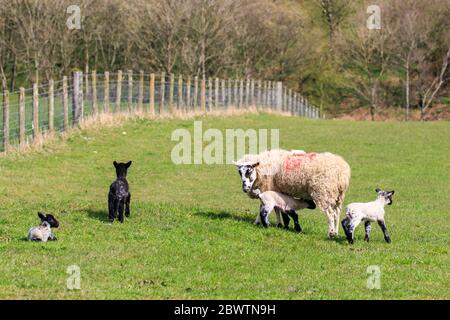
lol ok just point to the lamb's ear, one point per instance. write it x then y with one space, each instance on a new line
115 164
254 165
41 216
391 192
377 190
128 164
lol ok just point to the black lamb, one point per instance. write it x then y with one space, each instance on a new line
119 195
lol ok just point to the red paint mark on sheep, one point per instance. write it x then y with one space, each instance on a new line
295 161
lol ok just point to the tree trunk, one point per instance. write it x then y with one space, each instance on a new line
13 75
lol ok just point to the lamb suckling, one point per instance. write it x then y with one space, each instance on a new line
43 232
321 177
367 212
284 204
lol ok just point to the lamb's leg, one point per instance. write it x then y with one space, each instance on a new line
278 213
345 226
121 209
112 208
127 205
286 220
264 211
294 216
383 228
368 227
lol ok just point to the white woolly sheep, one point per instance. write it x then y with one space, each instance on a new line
285 205
320 177
43 232
367 212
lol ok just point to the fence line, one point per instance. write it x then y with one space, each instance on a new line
58 105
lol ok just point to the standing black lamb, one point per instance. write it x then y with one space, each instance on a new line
119 195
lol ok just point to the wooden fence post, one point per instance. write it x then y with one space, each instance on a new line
224 97
51 106
5 120
163 91
22 134
106 96
152 94
141 91
65 102
203 95
94 92
210 94
195 93
171 92
247 92
229 93
77 97
35 110
188 94
216 93
118 90
180 93
130 90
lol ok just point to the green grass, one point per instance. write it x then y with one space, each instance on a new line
191 233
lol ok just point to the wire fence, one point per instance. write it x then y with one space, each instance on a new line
59 105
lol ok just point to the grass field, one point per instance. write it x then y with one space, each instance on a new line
191 235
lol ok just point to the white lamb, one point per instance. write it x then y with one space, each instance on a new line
284 206
367 212
43 232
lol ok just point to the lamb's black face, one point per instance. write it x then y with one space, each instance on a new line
387 195
248 176
50 219
121 168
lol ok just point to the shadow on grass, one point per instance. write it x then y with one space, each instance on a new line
223 215
101 215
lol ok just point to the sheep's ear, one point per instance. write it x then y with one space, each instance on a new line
41 216
115 164
254 165
377 190
391 192
128 164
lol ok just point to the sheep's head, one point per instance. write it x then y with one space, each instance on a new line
247 171
121 168
385 195
48 219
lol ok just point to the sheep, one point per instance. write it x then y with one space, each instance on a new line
119 196
43 232
321 177
285 205
367 212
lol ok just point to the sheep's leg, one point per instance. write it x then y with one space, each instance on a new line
294 216
331 224
278 212
121 209
52 237
383 228
264 211
112 208
368 227
337 212
127 205
286 220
